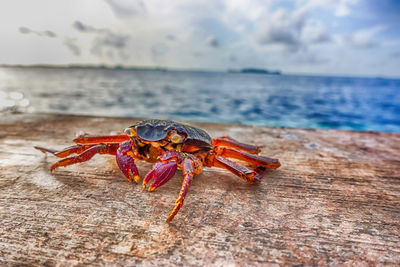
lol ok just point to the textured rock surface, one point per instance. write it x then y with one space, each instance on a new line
335 199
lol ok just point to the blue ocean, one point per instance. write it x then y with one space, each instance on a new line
361 104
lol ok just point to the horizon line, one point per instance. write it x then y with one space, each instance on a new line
159 68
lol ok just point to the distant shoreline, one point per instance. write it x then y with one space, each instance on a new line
165 69
82 66
120 67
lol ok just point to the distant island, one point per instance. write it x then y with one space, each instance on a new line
257 71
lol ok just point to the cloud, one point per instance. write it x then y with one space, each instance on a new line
79 26
114 40
310 59
364 38
70 43
72 46
212 41
49 34
106 42
84 28
197 54
108 45
26 30
395 54
127 8
316 34
170 37
159 49
232 58
340 8
343 7
283 28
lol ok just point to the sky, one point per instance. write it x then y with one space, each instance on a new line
323 37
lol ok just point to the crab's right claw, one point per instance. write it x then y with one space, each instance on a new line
161 172
127 165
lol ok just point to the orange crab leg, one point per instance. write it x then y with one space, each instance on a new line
188 169
78 149
232 143
84 139
110 149
257 160
243 172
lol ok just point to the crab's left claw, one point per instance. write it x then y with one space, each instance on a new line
161 173
126 163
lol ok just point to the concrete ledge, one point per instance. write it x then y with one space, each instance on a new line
335 200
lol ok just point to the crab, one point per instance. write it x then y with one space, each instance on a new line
170 146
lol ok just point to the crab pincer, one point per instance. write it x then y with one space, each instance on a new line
163 170
126 163
161 173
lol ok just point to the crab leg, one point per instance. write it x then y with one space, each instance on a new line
257 160
230 142
243 172
78 149
85 139
188 167
110 149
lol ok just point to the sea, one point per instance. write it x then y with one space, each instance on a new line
349 103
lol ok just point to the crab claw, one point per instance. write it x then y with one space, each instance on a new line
127 163
161 172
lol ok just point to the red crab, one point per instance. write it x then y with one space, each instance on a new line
170 145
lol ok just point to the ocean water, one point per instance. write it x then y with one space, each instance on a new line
256 99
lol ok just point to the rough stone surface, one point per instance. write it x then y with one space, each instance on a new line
335 200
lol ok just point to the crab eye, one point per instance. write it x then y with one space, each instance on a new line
176 138
130 132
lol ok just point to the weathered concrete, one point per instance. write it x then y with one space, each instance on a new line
335 200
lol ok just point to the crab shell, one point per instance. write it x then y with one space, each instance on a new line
158 130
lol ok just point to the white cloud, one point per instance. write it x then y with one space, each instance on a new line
282 28
343 7
70 43
292 30
212 41
316 34
340 8
127 8
105 43
365 38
